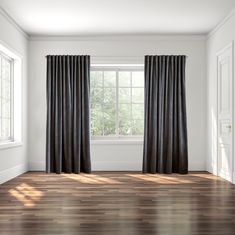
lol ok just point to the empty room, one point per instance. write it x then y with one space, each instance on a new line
117 117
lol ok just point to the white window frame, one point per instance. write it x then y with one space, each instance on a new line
15 139
121 138
11 61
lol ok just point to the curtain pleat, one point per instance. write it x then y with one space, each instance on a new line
68 128
165 128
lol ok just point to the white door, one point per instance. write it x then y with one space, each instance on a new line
225 112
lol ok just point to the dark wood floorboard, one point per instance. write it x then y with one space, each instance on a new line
124 203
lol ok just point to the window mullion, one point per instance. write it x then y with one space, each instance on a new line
103 122
117 104
12 101
1 95
131 106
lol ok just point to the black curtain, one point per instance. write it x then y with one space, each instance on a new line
165 134
68 128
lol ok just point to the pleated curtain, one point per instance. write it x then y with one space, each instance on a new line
68 128
165 134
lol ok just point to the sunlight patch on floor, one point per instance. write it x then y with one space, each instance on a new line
26 194
160 179
91 179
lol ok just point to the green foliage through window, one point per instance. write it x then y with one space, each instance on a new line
117 102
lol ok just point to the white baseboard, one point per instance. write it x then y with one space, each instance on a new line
116 166
233 181
197 166
209 169
113 166
13 172
37 166
96 166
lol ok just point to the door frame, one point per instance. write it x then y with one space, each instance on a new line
219 53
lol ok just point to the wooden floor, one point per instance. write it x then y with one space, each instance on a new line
117 203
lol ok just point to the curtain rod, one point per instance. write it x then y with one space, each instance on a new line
118 56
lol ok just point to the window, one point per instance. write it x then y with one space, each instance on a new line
11 76
117 101
6 98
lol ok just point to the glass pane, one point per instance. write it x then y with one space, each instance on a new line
0 84
125 127
138 111
96 78
109 120
109 79
6 108
6 79
125 111
110 95
96 112
124 79
96 96
5 70
6 89
124 95
137 95
138 79
6 127
97 120
96 127
138 127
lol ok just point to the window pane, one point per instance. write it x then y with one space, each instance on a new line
137 95
138 79
6 89
130 105
6 124
138 127
97 112
125 127
97 127
124 95
96 78
109 119
124 79
109 79
5 105
124 111
6 79
96 96
109 127
110 95
97 120
138 111
6 108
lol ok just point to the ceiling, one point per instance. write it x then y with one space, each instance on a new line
110 17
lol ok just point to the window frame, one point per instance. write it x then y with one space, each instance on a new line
11 61
117 69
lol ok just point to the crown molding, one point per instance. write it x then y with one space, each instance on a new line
100 37
131 37
13 23
119 37
221 23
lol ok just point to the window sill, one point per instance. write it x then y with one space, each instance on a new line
116 142
7 145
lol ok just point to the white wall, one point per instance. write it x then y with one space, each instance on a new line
13 161
217 40
119 49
